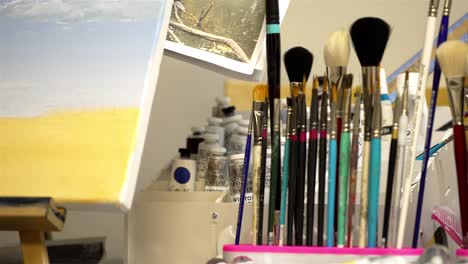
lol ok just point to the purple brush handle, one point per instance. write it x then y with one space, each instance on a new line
244 187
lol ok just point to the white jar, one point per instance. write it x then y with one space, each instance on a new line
183 172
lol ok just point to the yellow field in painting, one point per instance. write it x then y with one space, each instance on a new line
74 157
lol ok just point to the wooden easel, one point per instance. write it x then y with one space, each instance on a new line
32 218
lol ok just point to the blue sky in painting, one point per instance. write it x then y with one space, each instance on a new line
77 54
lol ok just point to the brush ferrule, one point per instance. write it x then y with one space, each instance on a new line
258 119
288 121
447 6
357 113
314 110
335 76
456 97
369 77
404 98
332 119
323 111
347 105
376 115
433 6
295 89
276 114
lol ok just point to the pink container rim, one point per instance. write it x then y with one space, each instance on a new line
324 250
462 252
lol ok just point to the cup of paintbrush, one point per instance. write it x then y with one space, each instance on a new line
353 166
370 36
259 106
312 162
344 160
298 62
336 54
451 57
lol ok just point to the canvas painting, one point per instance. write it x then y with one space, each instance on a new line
77 80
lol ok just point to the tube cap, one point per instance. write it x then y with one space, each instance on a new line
211 138
184 153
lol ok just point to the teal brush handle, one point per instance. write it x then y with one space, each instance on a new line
284 191
331 192
374 183
343 186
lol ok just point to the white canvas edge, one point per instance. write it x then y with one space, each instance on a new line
151 80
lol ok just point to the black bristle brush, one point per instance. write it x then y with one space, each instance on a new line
298 62
370 36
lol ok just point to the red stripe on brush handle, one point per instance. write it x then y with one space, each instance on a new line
323 133
460 161
293 137
313 134
302 136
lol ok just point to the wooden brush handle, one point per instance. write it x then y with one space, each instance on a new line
460 161
364 194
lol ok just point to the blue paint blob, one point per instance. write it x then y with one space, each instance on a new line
182 175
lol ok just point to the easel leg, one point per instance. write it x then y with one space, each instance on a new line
33 247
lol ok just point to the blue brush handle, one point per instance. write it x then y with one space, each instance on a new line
284 191
427 147
374 187
244 187
331 192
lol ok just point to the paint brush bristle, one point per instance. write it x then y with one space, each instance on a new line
298 62
370 36
316 84
325 85
259 94
336 50
452 58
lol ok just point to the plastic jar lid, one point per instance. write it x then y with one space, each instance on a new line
232 119
237 157
198 129
212 138
225 100
214 120
217 149
242 130
244 123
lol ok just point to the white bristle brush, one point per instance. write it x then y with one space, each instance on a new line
452 60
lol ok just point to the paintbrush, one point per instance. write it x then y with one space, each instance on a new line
273 44
451 57
443 30
258 119
292 167
322 162
336 54
391 169
419 104
298 63
263 168
245 172
284 187
332 163
394 228
344 159
312 162
370 36
354 158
